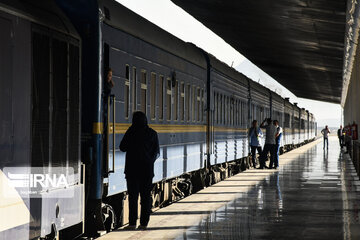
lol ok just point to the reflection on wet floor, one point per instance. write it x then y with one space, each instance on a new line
316 196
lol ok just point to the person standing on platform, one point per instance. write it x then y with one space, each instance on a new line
255 134
278 136
141 145
269 142
325 132
341 136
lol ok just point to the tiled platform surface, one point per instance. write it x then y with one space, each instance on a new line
314 195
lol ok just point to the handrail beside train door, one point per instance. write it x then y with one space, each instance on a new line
112 98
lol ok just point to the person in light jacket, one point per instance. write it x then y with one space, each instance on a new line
255 134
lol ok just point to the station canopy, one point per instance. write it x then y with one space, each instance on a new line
300 43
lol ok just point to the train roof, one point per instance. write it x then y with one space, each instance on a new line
120 17
42 12
229 71
277 97
260 88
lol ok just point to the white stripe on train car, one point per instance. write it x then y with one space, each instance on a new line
13 210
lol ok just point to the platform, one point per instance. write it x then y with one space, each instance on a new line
314 195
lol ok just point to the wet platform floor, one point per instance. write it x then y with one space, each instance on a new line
314 195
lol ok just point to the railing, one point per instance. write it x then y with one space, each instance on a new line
112 170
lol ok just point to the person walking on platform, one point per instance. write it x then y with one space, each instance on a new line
255 134
141 145
269 142
341 137
278 136
325 132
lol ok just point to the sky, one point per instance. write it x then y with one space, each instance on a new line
176 21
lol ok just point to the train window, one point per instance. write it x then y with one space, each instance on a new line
143 91
239 113
223 112
133 91
215 108
236 112
74 107
40 99
187 99
193 98
227 111
59 104
198 101
168 98
221 109
176 97
243 113
161 97
153 96
232 112
127 92
182 97
202 104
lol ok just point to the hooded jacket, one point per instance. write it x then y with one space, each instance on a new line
141 145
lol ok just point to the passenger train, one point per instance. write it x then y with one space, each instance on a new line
53 61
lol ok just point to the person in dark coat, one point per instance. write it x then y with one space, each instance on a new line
141 145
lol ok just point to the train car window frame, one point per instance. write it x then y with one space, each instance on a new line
127 92
161 98
232 111
176 100
133 91
182 101
143 88
52 110
198 102
153 88
168 99
193 103
202 105
227 111
236 112
221 109
188 100
215 108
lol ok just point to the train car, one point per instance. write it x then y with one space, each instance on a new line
230 93
259 104
307 126
288 125
156 73
303 125
296 125
277 113
162 76
40 119
312 124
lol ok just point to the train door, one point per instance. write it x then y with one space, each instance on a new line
109 114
